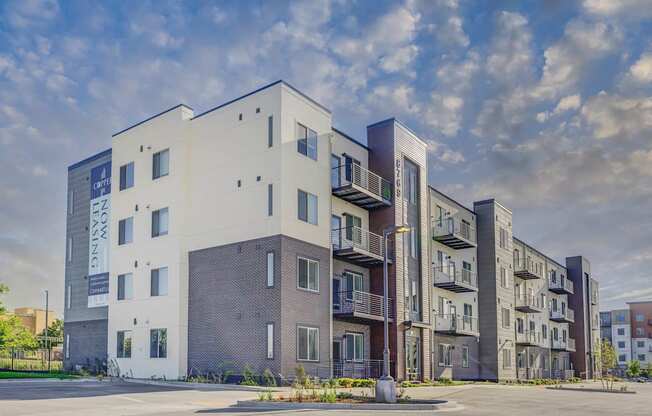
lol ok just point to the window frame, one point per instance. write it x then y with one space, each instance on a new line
157 175
124 170
271 268
352 336
158 332
465 356
309 330
307 142
444 355
157 272
308 260
123 277
308 198
122 231
270 340
119 345
157 213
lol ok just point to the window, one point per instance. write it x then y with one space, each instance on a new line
159 282
413 243
124 344
270 341
306 141
640 332
69 254
307 207
621 331
641 357
308 274
503 278
270 200
444 353
640 317
354 346
336 171
67 345
621 344
465 356
270 131
71 202
127 176
125 286
158 343
69 297
503 238
506 319
622 357
507 358
640 344
544 331
270 269
411 182
161 164
307 343
160 220
125 231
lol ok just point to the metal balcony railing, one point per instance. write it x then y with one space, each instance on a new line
526 268
558 284
358 240
357 368
454 279
456 324
529 337
529 303
454 232
563 316
353 182
360 304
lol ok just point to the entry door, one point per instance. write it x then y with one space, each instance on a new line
338 362
412 356
453 316
354 229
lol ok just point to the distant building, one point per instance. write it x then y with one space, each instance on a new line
34 319
630 332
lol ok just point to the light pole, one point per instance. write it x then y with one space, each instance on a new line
47 344
385 387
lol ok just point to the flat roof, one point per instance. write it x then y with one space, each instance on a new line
451 199
538 251
346 136
90 159
492 201
152 117
400 123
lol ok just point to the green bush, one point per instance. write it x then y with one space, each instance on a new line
355 382
268 378
328 396
300 374
248 376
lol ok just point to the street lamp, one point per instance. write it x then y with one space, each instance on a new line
47 344
385 387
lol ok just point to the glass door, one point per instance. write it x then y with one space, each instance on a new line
336 233
412 355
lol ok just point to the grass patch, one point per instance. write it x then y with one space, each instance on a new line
6 375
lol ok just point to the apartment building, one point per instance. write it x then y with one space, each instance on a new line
641 327
254 233
630 332
615 326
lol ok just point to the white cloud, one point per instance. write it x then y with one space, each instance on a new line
217 15
444 113
74 46
571 102
642 69
39 171
628 8
542 117
510 56
24 13
400 59
616 116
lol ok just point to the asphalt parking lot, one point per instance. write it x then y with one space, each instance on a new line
77 398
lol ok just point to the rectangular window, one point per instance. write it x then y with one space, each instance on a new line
641 357
503 278
125 286
507 358
306 141
465 356
161 164
158 343
126 231
124 344
506 318
69 297
640 317
69 254
71 202
270 200
639 332
503 238
270 268
270 131
308 274
444 353
413 243
354 346
307 343
622 358
621 331
67 345
160 219
307 209
336 169
127 176
640 344
159 282
270 341
621 344
544 331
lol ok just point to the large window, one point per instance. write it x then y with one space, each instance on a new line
158 343
270 341
126 231
307 209
307 343
506 318
507 358
465 356
308 274
270 268
306 141
621 345
69 297
127 176
124 344
354 346
125 286
161 164
504 282
160 219
444 355
159 282
503 238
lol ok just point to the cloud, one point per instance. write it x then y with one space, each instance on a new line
25 13
641 71
613 116
637 9
510 55
571 102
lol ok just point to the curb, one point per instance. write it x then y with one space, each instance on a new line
49 380
591 390
204 386
260 405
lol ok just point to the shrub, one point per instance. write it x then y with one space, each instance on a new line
328 396
300 374
345 382
248 376
355 382
268 378
344 395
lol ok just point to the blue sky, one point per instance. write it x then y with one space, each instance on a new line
544 105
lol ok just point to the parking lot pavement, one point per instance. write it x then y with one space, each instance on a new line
84 398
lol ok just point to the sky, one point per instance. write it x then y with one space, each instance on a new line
544 105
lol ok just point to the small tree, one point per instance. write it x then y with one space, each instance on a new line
633 369
55 334
13 334
608 362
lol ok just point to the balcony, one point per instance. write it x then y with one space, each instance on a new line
528 304
459 281
561 286
358 246
529 338
361 187
358 306
457 325
454 233
526 269
567 316
558 344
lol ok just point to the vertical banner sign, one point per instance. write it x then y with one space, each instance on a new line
98 248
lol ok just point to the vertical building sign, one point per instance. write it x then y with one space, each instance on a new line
98 247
